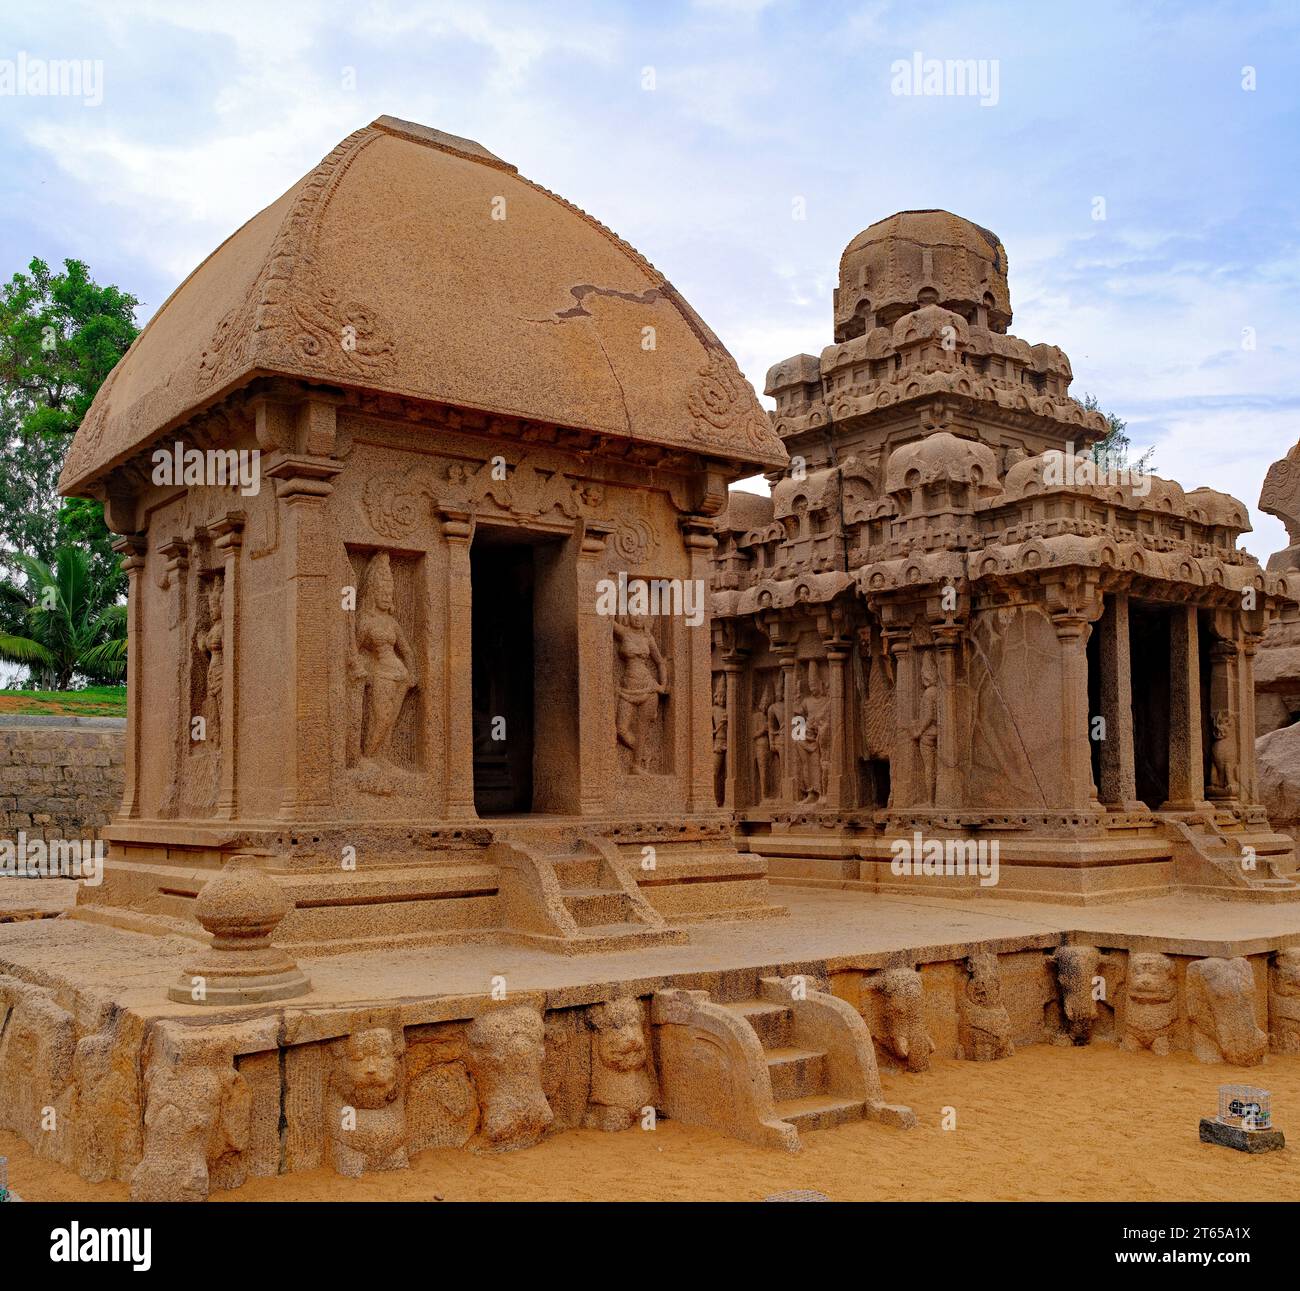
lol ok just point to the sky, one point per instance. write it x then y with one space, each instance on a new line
1138 161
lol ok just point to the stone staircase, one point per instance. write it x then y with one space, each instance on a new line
800 1077
1211 850
764 1069
573 896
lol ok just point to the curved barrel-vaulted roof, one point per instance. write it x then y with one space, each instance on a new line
417 263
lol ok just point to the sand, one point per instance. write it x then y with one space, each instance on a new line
1050 1123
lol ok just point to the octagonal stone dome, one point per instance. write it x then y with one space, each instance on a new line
419 264
918 258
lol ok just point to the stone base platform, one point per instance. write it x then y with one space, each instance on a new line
764 1029
1073 858
571 885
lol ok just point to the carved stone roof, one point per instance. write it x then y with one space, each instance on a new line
417 263
915 258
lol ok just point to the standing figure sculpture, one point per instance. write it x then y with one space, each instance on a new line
383 666
775 740
720 739
1223 756
813 749
643 679
211 641
926 729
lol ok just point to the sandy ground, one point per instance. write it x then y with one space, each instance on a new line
1089 1124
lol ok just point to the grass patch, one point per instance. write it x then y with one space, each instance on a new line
94 701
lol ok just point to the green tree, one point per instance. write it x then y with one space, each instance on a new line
60 336
71 624
1112 448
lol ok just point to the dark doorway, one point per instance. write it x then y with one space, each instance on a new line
501 575
1149 653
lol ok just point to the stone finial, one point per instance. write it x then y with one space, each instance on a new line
241 907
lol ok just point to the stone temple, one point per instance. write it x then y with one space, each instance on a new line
457 814
946 618
472 403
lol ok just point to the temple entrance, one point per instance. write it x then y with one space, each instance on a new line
1149 656
525 685
501 629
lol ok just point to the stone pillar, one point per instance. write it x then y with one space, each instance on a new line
174 583
947 777
733 666
1118 786
1186 754
303 487
693 697
1074 601
458 677
837 651
227 538
1225 697
903 775
1247 768
789 665
598 742
131 547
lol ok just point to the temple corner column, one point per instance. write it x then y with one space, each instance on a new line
132 547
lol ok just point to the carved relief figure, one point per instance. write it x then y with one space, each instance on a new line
197 1118
642 680
759 739
1284 1002
720 739
383 667
1076 968
506 1053
366 1109
775 740
1223 755
925 731
904 1032
813 751
1149 1012
621 1087
211 643
983 1024
1221 1008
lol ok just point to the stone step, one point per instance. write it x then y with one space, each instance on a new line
796 1073
591 907
773 1023
820 1111
578 871
621 936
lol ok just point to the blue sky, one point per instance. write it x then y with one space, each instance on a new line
211 110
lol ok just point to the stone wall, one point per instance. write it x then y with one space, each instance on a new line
60 777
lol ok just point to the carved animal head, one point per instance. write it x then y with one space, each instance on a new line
1222 723
620 1034
904 1005
507 1039
1286 972
194 1116
369 1070
984 986
1150 977
1076 967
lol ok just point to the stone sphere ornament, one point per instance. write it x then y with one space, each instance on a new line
241 907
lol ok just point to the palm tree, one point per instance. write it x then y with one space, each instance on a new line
60 623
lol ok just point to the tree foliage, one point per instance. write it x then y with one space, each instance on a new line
69 625
60 335
1112 449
